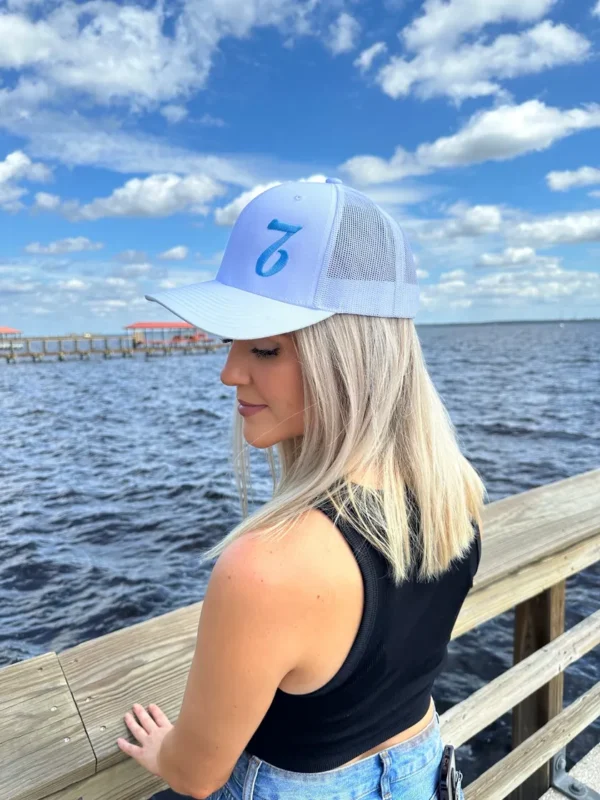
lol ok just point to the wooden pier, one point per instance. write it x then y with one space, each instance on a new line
63 712
67 348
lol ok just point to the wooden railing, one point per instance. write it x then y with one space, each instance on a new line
63 712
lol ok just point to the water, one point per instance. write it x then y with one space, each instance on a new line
115 474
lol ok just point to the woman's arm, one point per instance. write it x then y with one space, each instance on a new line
254 629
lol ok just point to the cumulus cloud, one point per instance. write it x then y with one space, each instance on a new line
141 55
510 257
573 228
77 244
584 176
228 214
444 63
366 58
466 222
596 9
178 253
443 23
174 113
154 196
17 167
539 284
495 134
46 202
474 69
343 34
515 257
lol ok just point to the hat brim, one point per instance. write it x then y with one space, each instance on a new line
234 313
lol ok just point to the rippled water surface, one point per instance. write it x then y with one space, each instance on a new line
116 473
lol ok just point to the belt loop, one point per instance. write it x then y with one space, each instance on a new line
386 792
250 779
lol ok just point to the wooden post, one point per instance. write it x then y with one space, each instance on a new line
537 622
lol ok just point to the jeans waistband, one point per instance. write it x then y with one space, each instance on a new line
258 779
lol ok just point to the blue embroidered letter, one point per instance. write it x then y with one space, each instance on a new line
289 231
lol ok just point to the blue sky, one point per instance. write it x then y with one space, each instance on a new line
132 134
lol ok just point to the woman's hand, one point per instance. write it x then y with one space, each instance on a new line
149 732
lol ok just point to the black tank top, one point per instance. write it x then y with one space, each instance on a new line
384 686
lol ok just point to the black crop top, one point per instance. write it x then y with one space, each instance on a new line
384 686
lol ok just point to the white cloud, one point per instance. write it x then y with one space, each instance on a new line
17 167
496 134
154 196
135 270
73 285
511 256
580 226
366 58
184 277
473 69
343 34
515 257
178 253
212 122
46 202
475 221
596 9
76 244
584 176
174 113
443 23
535 285
389 196
453 275
228 214
142 55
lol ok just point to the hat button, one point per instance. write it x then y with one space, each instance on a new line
332 180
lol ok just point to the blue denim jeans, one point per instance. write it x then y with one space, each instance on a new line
406 771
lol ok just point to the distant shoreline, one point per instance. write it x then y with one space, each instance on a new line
508 322
417 324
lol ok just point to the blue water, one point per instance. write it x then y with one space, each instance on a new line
115 474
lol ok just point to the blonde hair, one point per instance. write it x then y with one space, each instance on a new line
370 404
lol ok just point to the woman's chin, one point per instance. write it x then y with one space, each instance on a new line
254 439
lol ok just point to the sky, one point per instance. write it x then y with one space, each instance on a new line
132 135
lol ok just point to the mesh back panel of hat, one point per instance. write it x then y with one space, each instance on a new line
367 262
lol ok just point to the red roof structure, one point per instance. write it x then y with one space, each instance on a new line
158 325
9 330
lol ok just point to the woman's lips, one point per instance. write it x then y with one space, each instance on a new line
249 410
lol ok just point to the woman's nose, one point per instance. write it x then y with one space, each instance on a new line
233 372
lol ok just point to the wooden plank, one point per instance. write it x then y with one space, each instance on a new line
483 604
145 663
464 720
501 779
123 781
149 662
537 622
43 743
528 527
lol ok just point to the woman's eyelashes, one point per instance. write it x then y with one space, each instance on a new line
265 353
257 350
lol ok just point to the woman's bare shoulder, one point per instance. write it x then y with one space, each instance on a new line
303 550
306 569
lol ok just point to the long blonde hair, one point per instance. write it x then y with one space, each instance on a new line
370 404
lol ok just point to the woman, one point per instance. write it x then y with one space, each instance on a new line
329 610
